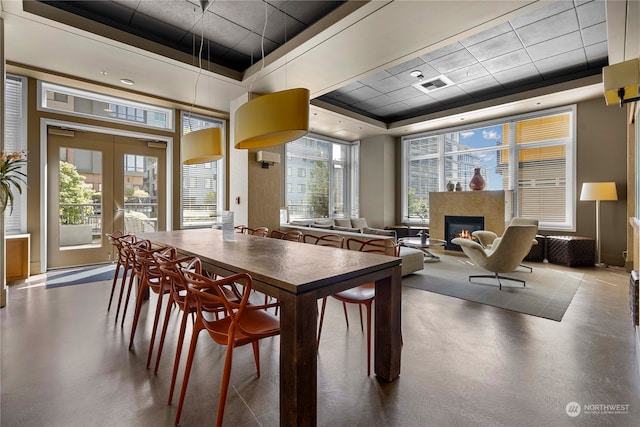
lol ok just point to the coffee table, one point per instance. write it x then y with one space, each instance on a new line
416 242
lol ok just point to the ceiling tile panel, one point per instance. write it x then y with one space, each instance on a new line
223 31
487 34
348 88
454 61
595 34
508 61
443 51
422 101
178 14
245 13
405 93
406 67
450 93
553 8
389 85
308 12
375 102
499 45
518 76
358 95
427 71
468 73
480 85
157 28
597 53
559 45
570 61
251 46
591 13
549 28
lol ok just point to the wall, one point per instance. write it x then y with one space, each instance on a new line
602 156
378 176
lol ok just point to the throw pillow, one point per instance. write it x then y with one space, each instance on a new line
342 222
359 223
323 222
379 232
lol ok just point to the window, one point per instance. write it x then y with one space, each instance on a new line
15 139
77 102
532 155
202 191
325 185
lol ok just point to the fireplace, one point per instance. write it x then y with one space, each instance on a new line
461 226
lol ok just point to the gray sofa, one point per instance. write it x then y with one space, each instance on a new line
412 259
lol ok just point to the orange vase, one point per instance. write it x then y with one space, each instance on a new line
477 182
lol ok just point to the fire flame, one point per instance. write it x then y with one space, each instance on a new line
466 235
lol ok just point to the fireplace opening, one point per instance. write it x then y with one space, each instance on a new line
461 226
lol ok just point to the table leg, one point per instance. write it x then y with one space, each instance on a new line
298 360
388 327
429 257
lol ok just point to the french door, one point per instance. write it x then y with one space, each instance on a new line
98 183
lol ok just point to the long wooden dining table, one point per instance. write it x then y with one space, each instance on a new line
298 274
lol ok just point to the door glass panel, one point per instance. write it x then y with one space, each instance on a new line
141 193
80 198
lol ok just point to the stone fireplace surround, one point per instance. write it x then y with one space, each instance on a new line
495 206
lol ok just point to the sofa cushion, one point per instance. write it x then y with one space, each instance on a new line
349 229
300 223
342 222
323 226
323 222
379 232
359 223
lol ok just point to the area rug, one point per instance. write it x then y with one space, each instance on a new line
548 292
80 275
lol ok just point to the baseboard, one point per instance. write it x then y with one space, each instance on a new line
638 347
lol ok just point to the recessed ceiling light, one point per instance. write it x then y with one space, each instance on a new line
127 82
416 73
103 72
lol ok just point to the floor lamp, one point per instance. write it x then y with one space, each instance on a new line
598 191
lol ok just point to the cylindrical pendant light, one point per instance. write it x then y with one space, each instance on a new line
272 119
202 146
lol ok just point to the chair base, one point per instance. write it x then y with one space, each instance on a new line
497 277
527 267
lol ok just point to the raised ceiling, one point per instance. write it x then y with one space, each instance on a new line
356 57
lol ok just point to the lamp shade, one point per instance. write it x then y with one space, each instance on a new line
202 146
599 191
272 119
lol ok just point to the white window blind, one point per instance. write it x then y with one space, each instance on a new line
202 191
15 140
532 155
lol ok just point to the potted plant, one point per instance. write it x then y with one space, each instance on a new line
11 178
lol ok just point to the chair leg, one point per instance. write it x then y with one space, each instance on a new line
126 301
163 333
324 305
122 286
368 309
360 310
498 277
346 318
256 355
136 313
155 324
527 267
187 369
115 281
224 387
176 362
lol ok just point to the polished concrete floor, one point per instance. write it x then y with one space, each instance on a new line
65 363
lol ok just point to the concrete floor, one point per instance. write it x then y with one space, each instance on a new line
65 363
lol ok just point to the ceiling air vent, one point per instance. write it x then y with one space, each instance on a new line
428 86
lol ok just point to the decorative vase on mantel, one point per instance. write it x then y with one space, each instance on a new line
477 182
450 186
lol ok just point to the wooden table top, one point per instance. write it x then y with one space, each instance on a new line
290 266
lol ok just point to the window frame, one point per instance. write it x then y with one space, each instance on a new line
220 175
570 144
350 166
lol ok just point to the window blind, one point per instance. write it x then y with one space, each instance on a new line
14 140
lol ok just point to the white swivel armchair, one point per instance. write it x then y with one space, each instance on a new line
488 238
505 254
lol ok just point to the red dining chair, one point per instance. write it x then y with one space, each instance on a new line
242 324
333 240
363 295
293 235
129 246
151 278
259 231
121 261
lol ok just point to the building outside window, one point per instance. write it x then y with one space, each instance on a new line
325 185
202 191
532 155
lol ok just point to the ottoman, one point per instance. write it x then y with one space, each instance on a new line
538 252
572 251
